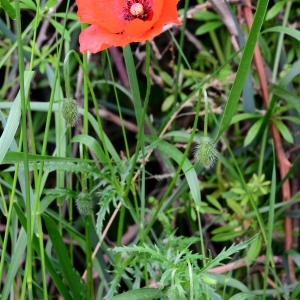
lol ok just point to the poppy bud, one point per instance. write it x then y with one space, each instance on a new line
206 152
84 203
69 111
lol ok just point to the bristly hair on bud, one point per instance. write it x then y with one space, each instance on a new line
84 203
69 111
206 152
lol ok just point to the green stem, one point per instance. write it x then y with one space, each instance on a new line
217 47
171 185
28 274
280 42
206 113
191 280
138 107
88 252
120 233
202 246
119 106
181 41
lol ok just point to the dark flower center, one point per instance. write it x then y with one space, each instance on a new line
140 9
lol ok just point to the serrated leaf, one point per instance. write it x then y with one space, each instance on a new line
107 196
225 254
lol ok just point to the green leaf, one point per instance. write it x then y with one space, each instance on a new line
62 255
227 236
189 171
214 202
242 296
223 229
286 30
254 250
274 10
228 281
167 103
252 133
92 144
50 3
295 255
29 4
236 207
295 293
286 95
241 117
292 119
60 28
244 66
130 66
8 8
285 132
225 254
207 27
205 15
13 119
141 294
60 285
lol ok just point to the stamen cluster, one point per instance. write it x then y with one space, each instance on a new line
140 9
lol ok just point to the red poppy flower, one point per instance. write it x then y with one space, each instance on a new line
120 22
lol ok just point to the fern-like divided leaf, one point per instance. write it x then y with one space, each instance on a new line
106 196
179 267
225 254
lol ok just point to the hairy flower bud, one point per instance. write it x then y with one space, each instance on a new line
84 203
69 111
206 152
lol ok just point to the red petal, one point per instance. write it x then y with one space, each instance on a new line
105 13
169 12
137 27
96 38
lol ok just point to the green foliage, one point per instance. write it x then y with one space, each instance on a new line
104 197
173 261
